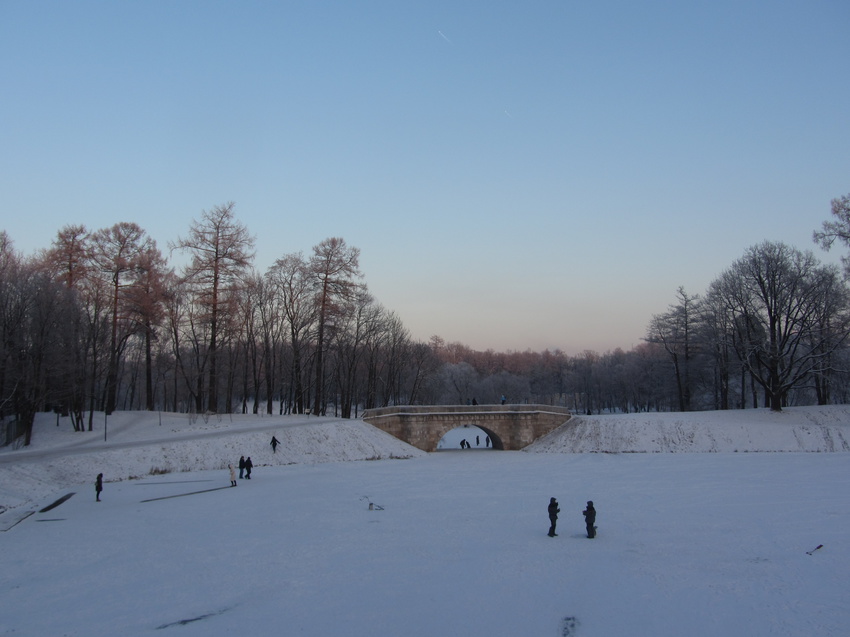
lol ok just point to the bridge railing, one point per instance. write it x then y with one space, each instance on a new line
463 409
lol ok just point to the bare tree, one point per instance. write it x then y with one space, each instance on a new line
222 250
775 294
117 255
335 267
31 311
292 280
68 261
674 330
146 305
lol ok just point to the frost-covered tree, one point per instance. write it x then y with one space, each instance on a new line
838 229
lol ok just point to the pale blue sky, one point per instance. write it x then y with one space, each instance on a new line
516 174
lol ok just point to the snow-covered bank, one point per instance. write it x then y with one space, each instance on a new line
812 429
138 445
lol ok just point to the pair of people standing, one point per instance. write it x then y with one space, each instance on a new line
589 518
245 467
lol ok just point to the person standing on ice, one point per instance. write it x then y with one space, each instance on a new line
554 510
98 487
274 443
248 466
590 519
232 475
241 466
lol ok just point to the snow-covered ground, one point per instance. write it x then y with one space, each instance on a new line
455 542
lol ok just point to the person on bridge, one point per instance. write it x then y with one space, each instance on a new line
98 487
554 510
590 519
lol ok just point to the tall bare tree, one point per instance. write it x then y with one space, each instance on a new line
292 281
776 295
117 255
335 268
146 304
675 330
68 261
221 252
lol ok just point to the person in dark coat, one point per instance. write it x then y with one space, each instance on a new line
248 466
241 466
98 486
274 443
590 519
554 510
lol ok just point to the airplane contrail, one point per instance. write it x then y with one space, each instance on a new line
442 35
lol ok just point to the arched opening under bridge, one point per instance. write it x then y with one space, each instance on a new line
479 439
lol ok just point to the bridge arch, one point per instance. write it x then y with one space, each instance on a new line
513 426
495 441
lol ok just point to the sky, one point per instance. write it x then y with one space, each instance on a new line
516 175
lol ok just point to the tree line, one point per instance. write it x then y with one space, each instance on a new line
100 321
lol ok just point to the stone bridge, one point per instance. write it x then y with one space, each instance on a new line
510 427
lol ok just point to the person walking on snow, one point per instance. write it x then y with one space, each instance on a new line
274 443
554 510
248 466
98 486
590 519
241 466
232 475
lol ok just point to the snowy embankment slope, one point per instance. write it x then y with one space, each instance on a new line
812 429
138 445
141 443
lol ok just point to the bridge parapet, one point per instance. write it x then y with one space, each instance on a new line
510 427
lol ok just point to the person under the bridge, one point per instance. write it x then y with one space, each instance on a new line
554 510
